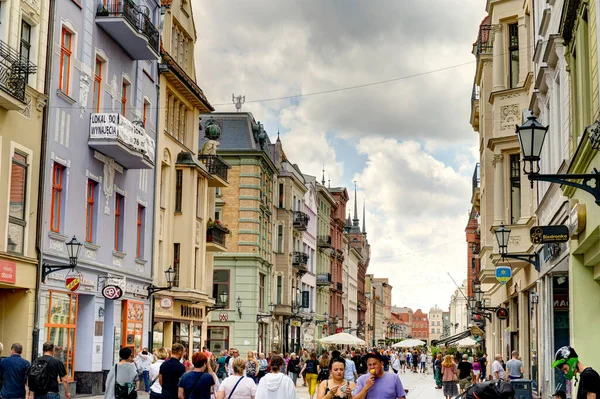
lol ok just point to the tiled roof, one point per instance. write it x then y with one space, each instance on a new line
166 3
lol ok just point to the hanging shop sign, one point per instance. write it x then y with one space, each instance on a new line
549 234
502 313
577 219
503 274
112 292
73 281
8 272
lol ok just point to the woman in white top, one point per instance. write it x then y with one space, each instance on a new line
237 386
155 387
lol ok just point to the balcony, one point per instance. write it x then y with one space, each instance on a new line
216 238
324 242
14 73
301 220
217 168
130 26
485 40
115 136
299 259
324 279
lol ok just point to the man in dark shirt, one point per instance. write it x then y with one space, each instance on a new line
56 371
465 373
483 362
170 372
14 371
567 360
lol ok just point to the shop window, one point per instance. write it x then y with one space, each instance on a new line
58 172
133 324
158 335
17 220
61 326
221 284
197 338
217 339
181 334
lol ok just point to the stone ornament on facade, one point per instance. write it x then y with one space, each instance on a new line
198 232
56 245
509 116
90 253
114 93
498 158
117 261
27 110
84 91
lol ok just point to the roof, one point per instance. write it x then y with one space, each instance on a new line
237 131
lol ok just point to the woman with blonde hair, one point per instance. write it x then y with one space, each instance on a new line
450 388
237 386
155 387
252 366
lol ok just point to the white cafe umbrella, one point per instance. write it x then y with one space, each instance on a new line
342 339
408 343
465 343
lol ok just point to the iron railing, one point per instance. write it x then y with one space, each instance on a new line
324 241
215 165
14 71
301 220
324 279
299 258
216 235
476 177
485 40
136 16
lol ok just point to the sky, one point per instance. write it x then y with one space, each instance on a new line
407 142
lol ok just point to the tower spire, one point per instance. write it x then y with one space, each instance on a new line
323 179
355 221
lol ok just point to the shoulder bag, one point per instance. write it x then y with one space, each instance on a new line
234 387
126 390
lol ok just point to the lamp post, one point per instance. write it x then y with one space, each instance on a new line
259 317
531 139
221 303
73 249
502 235
169 275
238 304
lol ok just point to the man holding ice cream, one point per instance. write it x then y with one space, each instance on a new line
378 384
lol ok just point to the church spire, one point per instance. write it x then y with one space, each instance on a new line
355 221
323 179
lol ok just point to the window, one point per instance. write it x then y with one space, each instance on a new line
65 61
158 334
181 334
140 227
61 326
218 338
515 188
90 210
221 284
25 47
279 289
97 85
145 112
16 208
280 238
133 324
513 51
261 291
124 94
281 195
119 201
178 189
176 263
57 194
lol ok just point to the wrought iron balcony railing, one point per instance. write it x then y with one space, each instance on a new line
301 220
299 258
324 279
14 71
215 165
485 40
324 242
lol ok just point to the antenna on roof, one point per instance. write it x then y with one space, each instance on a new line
329 181
238 101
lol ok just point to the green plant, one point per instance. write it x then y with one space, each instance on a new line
451 351
434 351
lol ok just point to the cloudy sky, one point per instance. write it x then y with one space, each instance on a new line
406 142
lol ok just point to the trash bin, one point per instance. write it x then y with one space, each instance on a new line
523 389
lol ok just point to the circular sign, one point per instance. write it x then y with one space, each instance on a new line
112 292
502 313
166 303
72 282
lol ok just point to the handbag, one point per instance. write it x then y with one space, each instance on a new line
126 390
234 387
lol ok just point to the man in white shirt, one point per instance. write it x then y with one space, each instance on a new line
234 355
350 374
497 371
423 361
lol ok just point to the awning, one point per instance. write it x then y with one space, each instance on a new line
452 338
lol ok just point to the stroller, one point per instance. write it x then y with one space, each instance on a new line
496 389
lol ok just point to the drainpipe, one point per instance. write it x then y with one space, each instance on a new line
42 178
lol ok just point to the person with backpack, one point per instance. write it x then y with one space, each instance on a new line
44 374
323 368
14 371
222 362
122 379
197 383
311 368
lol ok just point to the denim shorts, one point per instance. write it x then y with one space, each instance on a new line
49 395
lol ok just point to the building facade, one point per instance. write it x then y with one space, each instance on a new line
436 324
420 325
99 184
309 246
336 258
23 99
459 313
325 201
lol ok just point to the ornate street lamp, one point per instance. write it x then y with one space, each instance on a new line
259 317
531 137
502 235
221 302
238 304
73 249
169 275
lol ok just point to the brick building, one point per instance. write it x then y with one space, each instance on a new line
420 326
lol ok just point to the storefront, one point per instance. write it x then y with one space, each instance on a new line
178 322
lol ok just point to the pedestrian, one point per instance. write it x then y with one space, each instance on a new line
222 366
350 373
293 367
336 386
44 374
415 362
514 368
498 372
143 361
186 361
465 373
263 366
567 360
170 372
323 369
377 384
276 385
234 355
252 367
395 363
122 379
476 369
449 377
437 371
14 370
311 370
560 394
237 386
483 362
303 359
423 361
286 361
197 383
155 387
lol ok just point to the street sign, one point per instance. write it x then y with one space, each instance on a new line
72 282
549 234
502 313
503 274
112 292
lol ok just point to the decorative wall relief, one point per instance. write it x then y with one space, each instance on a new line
198 227
117 261
27 110
509 116
90 253
84 91
109 180
56 245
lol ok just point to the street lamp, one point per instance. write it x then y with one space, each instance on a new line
531 139
238 304
73 249
221 302
169 274
502 235
259 317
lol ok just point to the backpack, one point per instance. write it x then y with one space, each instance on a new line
323 374
496 389
310 367
39 376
